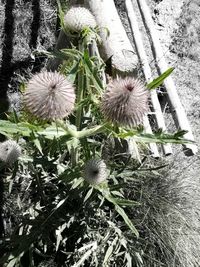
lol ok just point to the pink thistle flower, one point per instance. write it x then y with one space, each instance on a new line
49 96
125 101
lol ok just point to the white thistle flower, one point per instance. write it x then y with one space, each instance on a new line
77 18
95 171
10 151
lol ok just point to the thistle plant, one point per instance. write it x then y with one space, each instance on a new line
91 223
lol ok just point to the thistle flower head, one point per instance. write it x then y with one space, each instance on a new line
125 101
77 18
49 96
10 151
95 171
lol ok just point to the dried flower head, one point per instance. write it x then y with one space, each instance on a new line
77 18
10 151
49 96
95 171
125 101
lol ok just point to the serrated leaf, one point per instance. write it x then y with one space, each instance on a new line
158 137
158 81
8 128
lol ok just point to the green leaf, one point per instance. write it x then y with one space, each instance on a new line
63 54
126 202
73 72
89 193
158 137
180 134
126 220
93 76
76 183
13 262
86 255
128 259
61 7
158 81
108 254
52 132
105 192
38 145
8 128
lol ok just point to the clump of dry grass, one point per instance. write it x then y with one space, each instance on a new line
169 220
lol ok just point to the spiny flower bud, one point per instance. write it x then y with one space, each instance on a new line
125 102
10 151
49 96
95 171
78 18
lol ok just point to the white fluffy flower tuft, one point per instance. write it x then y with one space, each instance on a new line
125 101
49 96
77 18
95 171
10 151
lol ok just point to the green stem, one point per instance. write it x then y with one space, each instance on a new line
89 132
80 93
80 96
84 133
